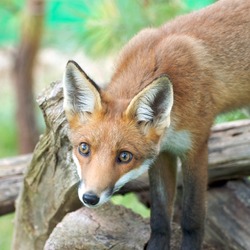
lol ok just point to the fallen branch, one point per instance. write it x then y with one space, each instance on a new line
11 178
229 151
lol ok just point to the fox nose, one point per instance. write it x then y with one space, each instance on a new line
90 198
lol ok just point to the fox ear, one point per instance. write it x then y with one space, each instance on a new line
81 94
152 106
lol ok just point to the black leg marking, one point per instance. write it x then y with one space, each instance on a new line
162 197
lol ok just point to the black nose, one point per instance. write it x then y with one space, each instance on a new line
90 198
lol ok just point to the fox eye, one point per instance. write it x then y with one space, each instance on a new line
124 157
84 149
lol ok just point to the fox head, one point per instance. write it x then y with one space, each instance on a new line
114 141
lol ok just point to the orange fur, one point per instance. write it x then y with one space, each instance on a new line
206 56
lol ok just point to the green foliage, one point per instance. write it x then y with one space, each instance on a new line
131 201
109 24
8 142
10 13
103 26
108 27
99 26
197 4
8 134
6 231
231 116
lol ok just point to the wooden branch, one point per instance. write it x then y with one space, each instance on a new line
11 178
229 151
228 219
49 187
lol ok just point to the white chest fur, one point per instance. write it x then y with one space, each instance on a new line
176 142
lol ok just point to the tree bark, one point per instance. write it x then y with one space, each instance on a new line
49 187
50 184
228 219
31 33
11 178
229 151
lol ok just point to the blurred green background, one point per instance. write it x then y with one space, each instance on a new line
94 29
96 25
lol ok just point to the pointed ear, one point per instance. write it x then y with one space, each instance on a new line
152 106
81 94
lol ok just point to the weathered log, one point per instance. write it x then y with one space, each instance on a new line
228 214
108 227
229 151
11 177
228 217
49 186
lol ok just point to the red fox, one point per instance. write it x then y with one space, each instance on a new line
169 84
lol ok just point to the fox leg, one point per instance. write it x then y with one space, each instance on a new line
193 204
162 177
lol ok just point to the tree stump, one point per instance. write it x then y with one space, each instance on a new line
49 188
